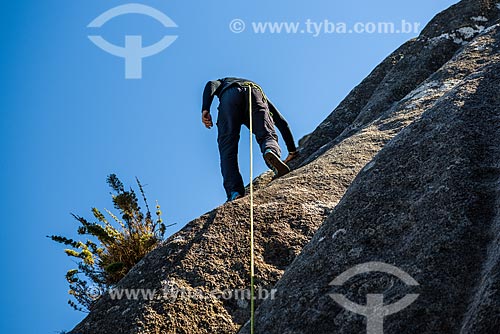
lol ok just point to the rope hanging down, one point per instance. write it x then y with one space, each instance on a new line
252 260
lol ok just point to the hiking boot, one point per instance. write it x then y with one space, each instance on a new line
274 162
234 196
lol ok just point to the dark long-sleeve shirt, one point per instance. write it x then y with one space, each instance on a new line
217 87
283 127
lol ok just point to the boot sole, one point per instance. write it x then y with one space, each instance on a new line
276 162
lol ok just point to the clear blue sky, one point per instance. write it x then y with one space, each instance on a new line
69 118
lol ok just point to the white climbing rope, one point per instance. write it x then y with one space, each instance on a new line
252 260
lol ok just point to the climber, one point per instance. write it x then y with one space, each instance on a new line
233 112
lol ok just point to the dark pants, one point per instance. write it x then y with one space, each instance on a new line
233 112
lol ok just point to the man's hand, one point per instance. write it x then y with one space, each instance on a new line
206 118
291 156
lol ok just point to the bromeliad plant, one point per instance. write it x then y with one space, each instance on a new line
112 251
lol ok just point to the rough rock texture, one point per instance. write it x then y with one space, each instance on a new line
417 147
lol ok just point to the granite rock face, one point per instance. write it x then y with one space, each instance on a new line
405 171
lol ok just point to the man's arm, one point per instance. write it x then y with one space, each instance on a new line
208 96
209 93
283 127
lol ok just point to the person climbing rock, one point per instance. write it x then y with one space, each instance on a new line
233 112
